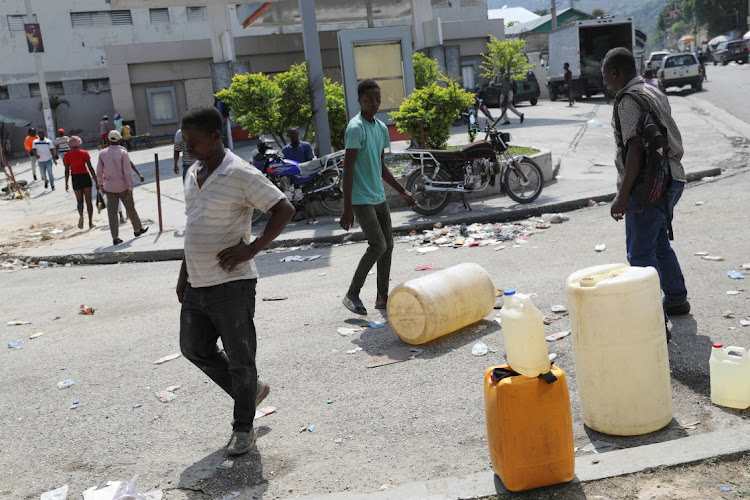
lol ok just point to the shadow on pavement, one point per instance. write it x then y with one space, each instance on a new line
670 432
573 491
689 353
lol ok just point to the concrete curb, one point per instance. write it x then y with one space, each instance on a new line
682 451
517 212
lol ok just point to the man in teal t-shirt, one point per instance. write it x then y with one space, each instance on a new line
364 196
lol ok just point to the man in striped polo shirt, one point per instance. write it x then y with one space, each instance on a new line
187 160
216 286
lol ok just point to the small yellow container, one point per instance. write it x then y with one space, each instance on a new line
439 303
529 429
730 376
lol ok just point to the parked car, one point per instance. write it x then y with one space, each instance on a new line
678 70
734 50
654 59
527 90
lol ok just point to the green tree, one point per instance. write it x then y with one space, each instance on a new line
512 23
505 58
54 103
597 13
435 107
426 70
680 28
541 12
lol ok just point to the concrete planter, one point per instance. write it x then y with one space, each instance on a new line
543 158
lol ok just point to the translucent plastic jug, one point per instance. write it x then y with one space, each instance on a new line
529 429
620 349
523 334
730 376
439 303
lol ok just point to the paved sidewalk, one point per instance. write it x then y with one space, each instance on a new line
580 139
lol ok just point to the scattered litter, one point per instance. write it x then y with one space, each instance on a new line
700 202
428 267
232 495
64 384
58 494
745 322
700 254
543 225
311 428
394 355
348 331
167 358
733 292
600 447
338 441
15 344
715 258
691 426
552 357
594 123
592 204
735 275
330 402
746 266
385 487
558 309
555 218
222 467
708 179
76 404
56 231
275 297
35 335
321 274
266 410
480 349
728 314
426 249
354 351
375 324
557 336
600 247
166 395
725 488
18 323
88 311
370 273
299 258
137 405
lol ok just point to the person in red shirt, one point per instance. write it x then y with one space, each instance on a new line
78 166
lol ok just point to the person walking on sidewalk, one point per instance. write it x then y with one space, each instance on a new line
216 284
28 143
507 101
116 181
364 196
61 144
104 130
568 81
44 149
78 166
646 229
181 148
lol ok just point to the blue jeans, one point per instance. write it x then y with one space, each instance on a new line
647 243
45 167
224 311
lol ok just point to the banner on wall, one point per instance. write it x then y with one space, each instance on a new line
34 37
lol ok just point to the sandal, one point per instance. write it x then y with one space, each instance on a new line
354 305
384 305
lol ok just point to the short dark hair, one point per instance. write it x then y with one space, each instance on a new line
648 74
32 130
366 85
205 118
620 59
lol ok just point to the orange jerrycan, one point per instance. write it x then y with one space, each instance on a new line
529 428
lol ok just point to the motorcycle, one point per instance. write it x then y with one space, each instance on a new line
472 120
318 180
433 175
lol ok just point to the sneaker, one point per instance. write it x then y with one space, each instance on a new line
261 392
143 230
116 241
241 442
53 188
677 308
80 222
46 184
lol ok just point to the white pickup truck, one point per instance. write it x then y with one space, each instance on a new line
678 70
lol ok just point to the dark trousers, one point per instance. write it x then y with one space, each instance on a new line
375 221
224 311
129 204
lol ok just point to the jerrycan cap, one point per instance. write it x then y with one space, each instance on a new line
588 281
718 345
509 291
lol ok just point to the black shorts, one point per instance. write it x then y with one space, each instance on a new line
81 181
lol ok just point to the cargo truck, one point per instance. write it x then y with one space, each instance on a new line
583 45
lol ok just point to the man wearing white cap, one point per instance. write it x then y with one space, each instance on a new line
116 180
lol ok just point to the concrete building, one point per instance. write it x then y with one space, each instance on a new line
151 64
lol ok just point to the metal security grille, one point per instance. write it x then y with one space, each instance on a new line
15 23
196 14
96 86
101 19
53 88
159 16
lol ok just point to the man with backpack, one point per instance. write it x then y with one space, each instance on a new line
639 109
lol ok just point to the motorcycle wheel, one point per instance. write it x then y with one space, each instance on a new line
428 202
331 200
520 190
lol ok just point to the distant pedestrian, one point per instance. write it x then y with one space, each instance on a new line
646 229
116 181
126 133
104 129
78 167
364 196
180 147
568 81
29 145
216 284
507 100
61 144
118 123
44 149
299 151
648 78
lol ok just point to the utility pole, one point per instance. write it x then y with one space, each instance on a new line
553 12
48 121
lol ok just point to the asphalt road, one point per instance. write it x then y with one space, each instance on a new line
727 88
404 422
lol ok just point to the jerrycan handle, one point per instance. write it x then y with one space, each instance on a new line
734 352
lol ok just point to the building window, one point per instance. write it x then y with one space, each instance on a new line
53 88
15 23
4 93
162 105
196 14
159 16
96 86
101 19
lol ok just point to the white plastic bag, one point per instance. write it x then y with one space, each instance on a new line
128 491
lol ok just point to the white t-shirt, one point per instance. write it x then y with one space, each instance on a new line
44 148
